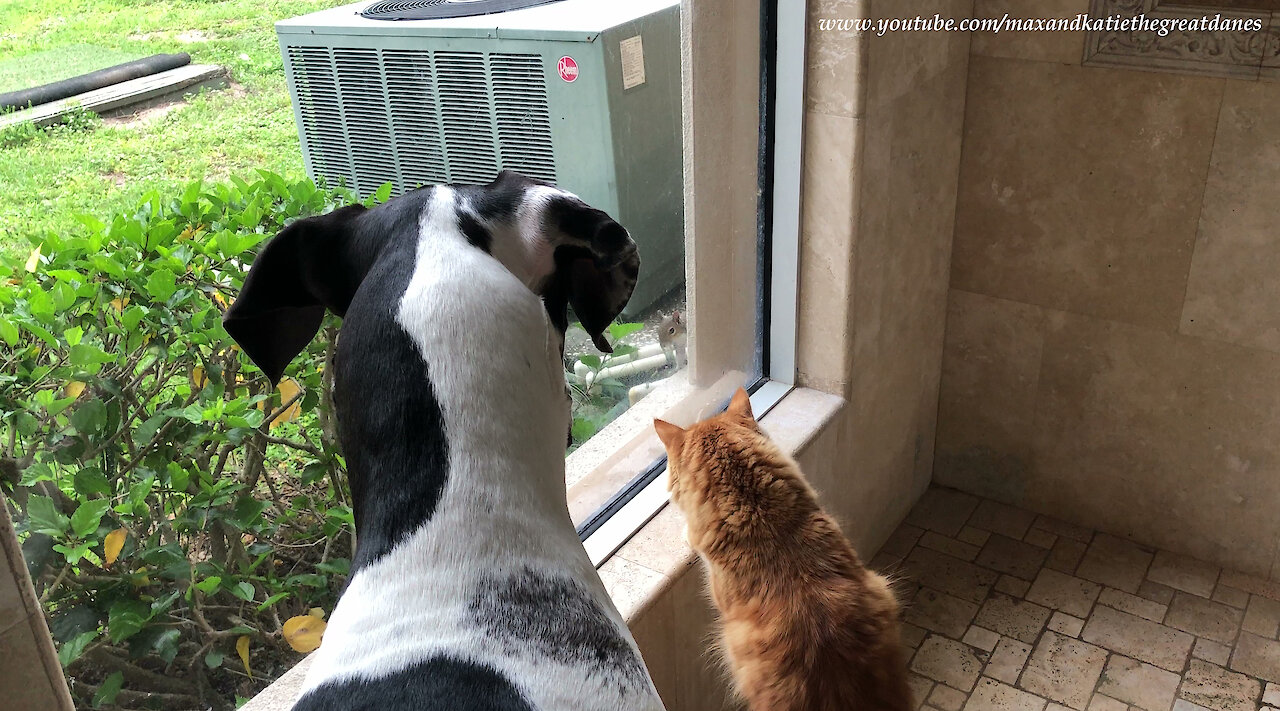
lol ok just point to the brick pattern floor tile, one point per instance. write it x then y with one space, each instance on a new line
1182 573
1008 660
1133 604
1231 596
940 612
992 695
1138 683
1060 591
1014 611
1021 560
1066 555
1262 616
947 698
1012 617
1115 562
1204 618
1064 670
1211 685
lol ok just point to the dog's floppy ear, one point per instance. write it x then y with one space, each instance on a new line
313 264
596 267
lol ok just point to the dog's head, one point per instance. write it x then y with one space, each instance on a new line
567 252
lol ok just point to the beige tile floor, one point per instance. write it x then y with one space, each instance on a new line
1006 609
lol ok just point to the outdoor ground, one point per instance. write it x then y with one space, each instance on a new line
46 181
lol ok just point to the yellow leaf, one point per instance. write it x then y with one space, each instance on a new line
198 377
242 648
112 545
74 388
288 389
222 300
119 303
34 260
316 612
303 632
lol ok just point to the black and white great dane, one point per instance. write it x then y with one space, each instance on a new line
469 588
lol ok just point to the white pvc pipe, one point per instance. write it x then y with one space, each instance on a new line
624 369
639 391
583 371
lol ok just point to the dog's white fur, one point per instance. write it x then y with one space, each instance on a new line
494 362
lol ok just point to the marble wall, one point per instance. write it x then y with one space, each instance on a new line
882 152
1112 350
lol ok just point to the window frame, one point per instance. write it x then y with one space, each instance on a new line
779 177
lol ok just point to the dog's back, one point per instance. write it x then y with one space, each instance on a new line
469 588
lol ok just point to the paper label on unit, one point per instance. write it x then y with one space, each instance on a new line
568 69
632 50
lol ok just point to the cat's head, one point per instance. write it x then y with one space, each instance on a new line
709 461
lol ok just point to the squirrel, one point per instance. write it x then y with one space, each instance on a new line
673 333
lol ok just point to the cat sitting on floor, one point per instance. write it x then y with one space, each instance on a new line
804 625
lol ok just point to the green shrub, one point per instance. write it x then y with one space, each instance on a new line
172 506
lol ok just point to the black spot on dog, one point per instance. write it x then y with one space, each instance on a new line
556 618
475 232
438 684
392 428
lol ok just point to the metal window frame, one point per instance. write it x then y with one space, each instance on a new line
782 75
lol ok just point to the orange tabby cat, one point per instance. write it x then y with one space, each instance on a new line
805 626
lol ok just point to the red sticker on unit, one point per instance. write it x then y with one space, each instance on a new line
568 69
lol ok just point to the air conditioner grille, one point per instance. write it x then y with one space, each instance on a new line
412 117
437 9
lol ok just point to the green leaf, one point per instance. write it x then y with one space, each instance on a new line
73 554
108 690
8 332
147 429
54 407
583 429
106 264
272 600
209 584
591 361
214 658
88 515
36 473
161 284
91 481
383 193
166 645
243 590
248 512
41 333
84 354
131 316
164 603
73 335
45 517
618 331
127 618
90 417
74 647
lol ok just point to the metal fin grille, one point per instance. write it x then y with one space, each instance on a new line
413 117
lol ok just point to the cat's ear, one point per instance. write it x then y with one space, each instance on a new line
740 404
672 436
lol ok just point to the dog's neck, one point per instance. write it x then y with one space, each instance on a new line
457 398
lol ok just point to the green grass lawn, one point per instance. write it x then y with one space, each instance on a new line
36 68
45 182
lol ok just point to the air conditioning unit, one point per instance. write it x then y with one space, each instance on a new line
582 93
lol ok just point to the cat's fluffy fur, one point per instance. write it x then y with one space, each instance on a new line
805 626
